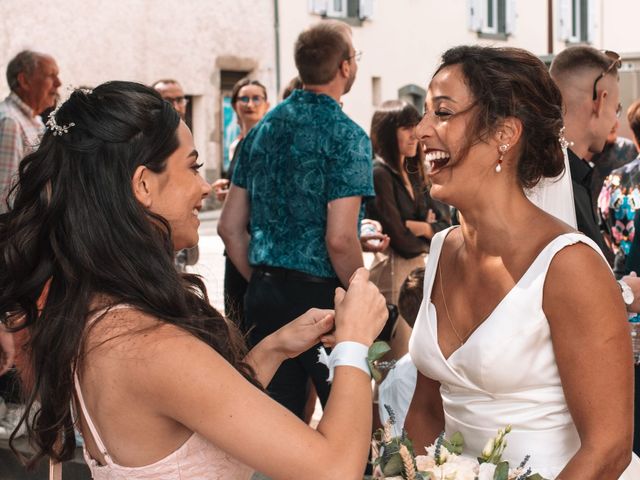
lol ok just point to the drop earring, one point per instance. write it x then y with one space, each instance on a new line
503 148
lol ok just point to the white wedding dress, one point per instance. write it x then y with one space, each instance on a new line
505 373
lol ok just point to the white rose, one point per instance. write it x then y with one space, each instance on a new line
486 471
465 468
425 462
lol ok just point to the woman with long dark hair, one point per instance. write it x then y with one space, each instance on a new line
402 205
159 381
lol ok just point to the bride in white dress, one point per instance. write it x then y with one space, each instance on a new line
522 322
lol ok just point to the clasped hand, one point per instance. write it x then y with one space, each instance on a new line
359 316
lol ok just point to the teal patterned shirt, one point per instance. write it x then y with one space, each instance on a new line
303 154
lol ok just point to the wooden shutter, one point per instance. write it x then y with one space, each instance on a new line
476 14
318 7
366 9
564 20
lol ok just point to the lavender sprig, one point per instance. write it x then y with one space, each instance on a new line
525 475
438 449
524 462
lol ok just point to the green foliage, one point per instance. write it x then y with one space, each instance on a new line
376 352
502 471
455 444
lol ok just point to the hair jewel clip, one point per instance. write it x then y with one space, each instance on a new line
86 91
564 143
53 125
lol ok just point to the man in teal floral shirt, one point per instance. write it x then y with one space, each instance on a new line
300 178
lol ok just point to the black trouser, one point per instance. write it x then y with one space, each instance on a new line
235 287
273 299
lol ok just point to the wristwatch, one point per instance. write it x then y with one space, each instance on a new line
627 293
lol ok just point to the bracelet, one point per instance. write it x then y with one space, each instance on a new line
352 354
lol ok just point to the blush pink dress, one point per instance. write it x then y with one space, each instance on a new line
196 459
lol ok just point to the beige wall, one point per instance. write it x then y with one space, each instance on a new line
403 41
144 40
192 40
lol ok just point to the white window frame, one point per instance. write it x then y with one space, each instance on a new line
478 11
486 28
576 32
334 12
570 13
326 8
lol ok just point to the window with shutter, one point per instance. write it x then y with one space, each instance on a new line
492 18
576 21
352 11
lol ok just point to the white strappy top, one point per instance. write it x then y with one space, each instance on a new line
196 459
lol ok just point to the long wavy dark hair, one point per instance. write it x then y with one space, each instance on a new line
76 231
386 120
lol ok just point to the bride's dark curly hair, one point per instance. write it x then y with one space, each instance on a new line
76 229
511 82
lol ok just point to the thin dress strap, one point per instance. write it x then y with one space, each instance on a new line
76 381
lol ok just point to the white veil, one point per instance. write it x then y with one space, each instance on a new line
555 195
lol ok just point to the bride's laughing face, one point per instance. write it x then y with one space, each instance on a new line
455 158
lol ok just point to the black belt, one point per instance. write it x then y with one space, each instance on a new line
286 274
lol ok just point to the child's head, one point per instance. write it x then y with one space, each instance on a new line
411 293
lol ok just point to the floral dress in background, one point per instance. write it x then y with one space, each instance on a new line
618 203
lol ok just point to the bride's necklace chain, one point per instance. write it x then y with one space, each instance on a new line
446 308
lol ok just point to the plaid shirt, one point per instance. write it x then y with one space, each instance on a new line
20 133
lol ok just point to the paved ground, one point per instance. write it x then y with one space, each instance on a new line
211 263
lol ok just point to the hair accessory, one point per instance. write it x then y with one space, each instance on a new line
503 148
352 354
564 143
86 91
53 125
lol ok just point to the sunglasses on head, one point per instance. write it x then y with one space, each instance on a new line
615 62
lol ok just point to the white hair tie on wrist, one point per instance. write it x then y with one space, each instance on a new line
352 354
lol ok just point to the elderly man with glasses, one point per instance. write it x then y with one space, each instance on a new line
172 92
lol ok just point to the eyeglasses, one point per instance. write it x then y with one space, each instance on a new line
177 100
256 99
357 55
616 62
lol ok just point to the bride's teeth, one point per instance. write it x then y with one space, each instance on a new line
436 155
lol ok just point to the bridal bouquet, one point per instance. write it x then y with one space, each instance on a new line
393 458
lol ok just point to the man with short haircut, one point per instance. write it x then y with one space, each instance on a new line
588 80
299 181
171 90
33 80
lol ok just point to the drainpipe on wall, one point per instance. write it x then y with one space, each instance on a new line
549 28
276 26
